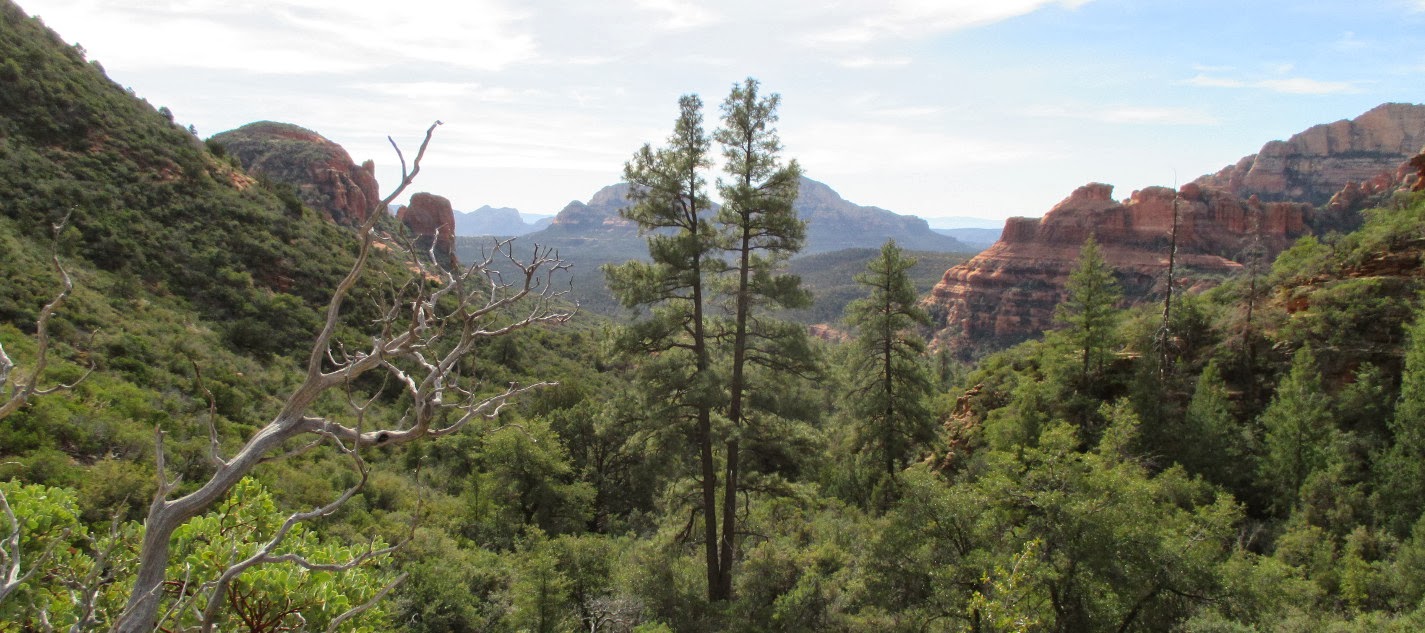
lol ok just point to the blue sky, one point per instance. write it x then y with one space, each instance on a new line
934 108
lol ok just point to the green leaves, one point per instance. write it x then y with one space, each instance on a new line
890 379
1089 311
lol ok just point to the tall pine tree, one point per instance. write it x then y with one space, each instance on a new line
696 365
671 209
760 230
892 382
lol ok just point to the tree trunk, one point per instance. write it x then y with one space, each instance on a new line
140 615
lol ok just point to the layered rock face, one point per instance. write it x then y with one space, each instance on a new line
323 173
1008 293
1315 164
432 220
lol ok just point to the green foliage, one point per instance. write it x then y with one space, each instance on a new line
1089 312
283 593
1298 431
890 379
831 278
1213 444
1401 467
524 478
74 561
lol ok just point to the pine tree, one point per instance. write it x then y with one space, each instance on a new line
892 382
1402 466
1212 444
701 260
760 230
671 209
1299 433
1089 311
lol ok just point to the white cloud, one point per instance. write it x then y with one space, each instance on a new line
1349 42
1156 116
1304 86
907 112
840 147
870 21
874 62
1285 85
680 14
293 36
421 89
1137 115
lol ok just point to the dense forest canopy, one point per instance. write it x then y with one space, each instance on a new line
1252 460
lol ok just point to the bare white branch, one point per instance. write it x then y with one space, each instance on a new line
365 606
23 390
10 554
431 321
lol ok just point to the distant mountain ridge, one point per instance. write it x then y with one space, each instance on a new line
833 223
591 234
499 221
975 237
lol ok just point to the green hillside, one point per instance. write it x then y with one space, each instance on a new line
146 202
831 278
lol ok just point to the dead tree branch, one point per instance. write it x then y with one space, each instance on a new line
22 390
431 323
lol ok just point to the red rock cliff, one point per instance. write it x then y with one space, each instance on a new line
432 220
1315 164
323 173
1008 292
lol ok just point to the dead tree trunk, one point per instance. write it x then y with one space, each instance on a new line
426 330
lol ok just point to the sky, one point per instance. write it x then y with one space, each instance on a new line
938 108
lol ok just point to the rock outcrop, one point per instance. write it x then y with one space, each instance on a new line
1007 293
323 173
432 220
1315 164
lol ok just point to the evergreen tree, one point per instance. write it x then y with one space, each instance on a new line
672 209
1088 311
1402 467
761 230
1299 433
1212 443
891 382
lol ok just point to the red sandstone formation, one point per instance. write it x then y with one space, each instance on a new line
432 220
1313 165
323 173
1008 293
